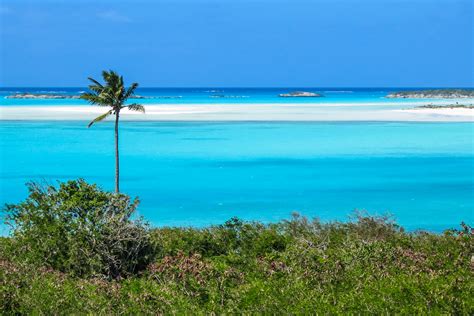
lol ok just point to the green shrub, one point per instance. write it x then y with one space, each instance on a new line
79 229
367 265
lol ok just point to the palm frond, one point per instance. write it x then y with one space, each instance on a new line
91 97
107 96
106 75
96 89
136 107
130 91
112 93
100 118
95 99
97 83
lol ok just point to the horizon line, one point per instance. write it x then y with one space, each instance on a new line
262 87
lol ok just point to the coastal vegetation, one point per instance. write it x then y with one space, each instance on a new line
76 249
433 94
114 95
449 106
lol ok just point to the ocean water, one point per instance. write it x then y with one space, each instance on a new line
374 96
196 173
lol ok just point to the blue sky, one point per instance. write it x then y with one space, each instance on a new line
243 43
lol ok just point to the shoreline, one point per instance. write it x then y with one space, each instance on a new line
245 112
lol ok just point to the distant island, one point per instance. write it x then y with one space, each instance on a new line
433 94
228 96
27 95
300 94
449 106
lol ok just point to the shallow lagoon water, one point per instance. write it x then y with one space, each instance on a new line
195 174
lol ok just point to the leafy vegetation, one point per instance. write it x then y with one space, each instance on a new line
80 230
51 263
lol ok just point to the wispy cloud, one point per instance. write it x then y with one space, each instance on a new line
114 16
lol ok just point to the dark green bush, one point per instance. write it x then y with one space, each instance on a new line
79 229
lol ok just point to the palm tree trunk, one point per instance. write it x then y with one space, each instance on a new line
117 168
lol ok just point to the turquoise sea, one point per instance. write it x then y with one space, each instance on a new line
192 173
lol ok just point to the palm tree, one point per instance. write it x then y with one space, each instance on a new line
114 95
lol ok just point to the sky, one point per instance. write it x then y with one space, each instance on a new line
238 43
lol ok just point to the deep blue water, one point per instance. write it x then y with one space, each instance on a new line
220 95
202 173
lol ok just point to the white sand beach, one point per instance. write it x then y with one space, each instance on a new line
441 112
244 112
